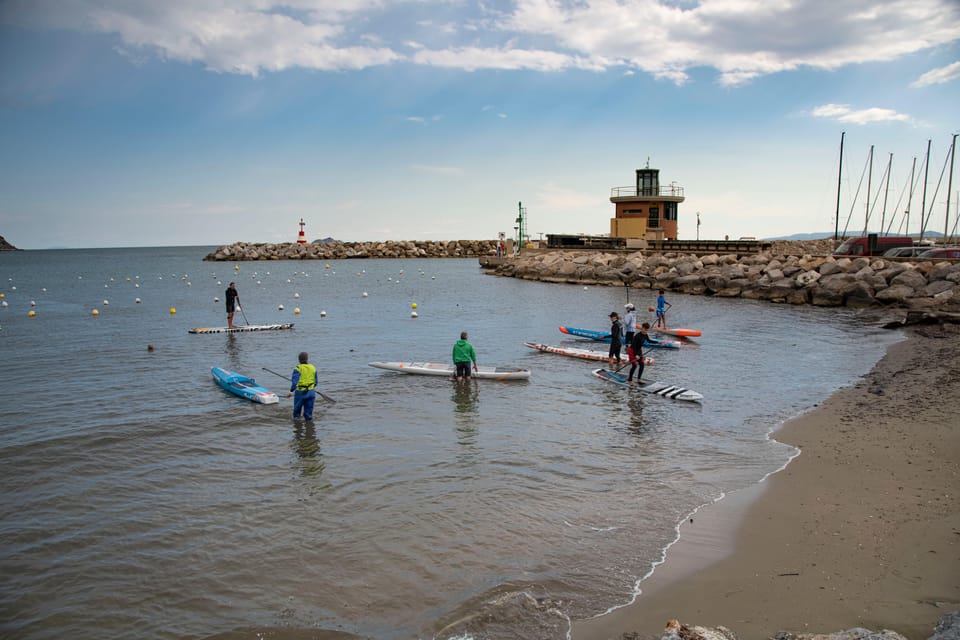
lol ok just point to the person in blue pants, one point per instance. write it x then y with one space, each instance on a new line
303 384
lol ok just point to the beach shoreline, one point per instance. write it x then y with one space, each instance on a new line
862 529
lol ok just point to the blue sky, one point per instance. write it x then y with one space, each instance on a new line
206 122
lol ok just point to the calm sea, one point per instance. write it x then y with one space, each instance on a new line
141 500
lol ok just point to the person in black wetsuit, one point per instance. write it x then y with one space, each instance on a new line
616 337
635 351
233 302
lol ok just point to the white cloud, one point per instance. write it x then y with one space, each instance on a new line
843 113
740 39
938 76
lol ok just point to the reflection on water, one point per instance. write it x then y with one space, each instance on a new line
307 448
232 349
465 410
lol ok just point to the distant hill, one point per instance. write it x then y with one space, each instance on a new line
850 234
6 246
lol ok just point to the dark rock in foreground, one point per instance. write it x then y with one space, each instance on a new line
6 246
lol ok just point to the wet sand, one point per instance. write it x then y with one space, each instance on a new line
862 529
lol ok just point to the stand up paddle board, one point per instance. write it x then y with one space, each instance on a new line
604 336
573 352
243 386
240 329
679 333
660 388
448 370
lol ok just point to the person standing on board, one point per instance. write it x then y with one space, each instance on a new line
629 324
303 384
233 303
464 356
636 352
616 337
662 306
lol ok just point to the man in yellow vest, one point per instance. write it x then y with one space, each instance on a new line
303 384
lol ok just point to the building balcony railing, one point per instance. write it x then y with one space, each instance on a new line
664 191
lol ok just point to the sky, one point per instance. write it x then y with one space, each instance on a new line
209 122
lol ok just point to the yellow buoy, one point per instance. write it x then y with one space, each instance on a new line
31 313
95 312
173 311
2 296
236 267
296 311
413 306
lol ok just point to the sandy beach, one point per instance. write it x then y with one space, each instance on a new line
862 529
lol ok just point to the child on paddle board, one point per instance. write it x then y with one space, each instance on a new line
635 351
464 356
616 338
629 324
662 306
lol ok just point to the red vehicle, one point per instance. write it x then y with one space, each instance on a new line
871 245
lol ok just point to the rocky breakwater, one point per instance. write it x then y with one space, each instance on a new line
821 280
347 250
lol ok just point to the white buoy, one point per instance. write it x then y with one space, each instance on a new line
216 299
413 314
44 289
32 303
137 301
136 285
106 302
364 294
4 303
280 307
323 314
296 295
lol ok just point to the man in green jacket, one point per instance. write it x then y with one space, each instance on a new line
463 357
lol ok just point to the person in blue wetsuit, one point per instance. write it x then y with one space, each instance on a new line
303 384
662 306
464 355
635 351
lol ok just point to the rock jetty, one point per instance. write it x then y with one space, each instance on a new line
789 277
6 246
351 250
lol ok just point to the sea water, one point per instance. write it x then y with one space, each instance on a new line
141 500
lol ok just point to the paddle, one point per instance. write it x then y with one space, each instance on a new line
319 393
243 314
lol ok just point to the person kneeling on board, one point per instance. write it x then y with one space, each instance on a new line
303 384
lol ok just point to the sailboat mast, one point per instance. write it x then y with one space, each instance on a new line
886 190
866 217
913 171
836 224
946 216
923 204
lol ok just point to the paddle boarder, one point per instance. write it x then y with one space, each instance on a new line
232 297
635 351
629 324
662 306
303 384
464 355
616 337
